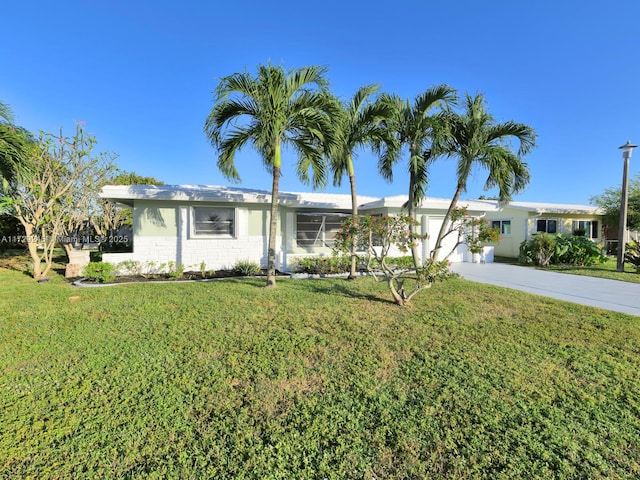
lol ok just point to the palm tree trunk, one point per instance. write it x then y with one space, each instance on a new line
273 221
354 216
445 224
273 228
411 210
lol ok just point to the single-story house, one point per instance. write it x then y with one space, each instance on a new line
220 225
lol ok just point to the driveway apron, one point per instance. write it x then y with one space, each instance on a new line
596 292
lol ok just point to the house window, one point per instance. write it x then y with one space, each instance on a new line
503 225
590 228
548 226
214 221
317 229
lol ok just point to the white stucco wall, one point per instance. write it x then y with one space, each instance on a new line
174 242
163 233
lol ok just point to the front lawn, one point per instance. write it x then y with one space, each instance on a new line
607 269
312 379
601 270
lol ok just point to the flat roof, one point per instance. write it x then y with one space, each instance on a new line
126 194
214 193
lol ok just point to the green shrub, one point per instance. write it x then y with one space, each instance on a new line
100 272
538 250
246 268
544 249
405 262
323 265
577 250
632 254
342 264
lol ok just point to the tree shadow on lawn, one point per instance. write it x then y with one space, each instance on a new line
341 288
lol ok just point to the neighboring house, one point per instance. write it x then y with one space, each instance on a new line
518 221
220 226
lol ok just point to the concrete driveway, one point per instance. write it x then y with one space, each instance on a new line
597 292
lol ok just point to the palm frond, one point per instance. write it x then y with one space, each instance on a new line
302 78
6 114
234 141
476 139
311 158
433 97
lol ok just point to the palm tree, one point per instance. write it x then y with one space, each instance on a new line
358 125
14 144
272 109
476 139
417 127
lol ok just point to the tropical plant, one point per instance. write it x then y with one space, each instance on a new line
475 138
538 250
269 111
418 127
577 250
203 269
174 270
358 125
544 249
130 267
632 255
246 268
14 146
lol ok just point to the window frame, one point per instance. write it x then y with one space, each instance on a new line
325 241
501 224
589 232
546 230
210 235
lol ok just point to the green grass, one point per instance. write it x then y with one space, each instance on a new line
312 379
600 270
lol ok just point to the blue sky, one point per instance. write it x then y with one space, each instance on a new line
141 75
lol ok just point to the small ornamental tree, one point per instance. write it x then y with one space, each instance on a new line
376 237
475 232
58 195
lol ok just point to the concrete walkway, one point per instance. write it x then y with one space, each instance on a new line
597 292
